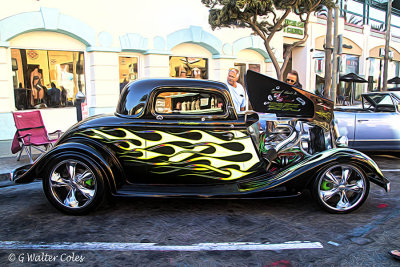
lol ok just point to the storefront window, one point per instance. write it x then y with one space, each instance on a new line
188 67
350 64
46 78
128 70
319 63
243 67
375 78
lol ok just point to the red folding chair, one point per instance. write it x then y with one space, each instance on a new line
31 132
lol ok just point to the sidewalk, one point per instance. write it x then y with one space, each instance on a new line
8 161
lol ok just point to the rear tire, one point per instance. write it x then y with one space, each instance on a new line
341 188
74 184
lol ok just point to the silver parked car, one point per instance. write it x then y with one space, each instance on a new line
375 125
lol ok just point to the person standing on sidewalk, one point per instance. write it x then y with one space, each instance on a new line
293 79
236 90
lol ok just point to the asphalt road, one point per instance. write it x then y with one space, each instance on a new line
39 234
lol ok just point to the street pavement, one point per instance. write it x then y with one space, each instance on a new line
361 238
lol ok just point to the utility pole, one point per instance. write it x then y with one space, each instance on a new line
328 56
387 41
334 57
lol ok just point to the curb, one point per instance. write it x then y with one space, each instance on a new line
6 184
5 177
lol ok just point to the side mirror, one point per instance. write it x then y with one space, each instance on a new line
232 112
342 141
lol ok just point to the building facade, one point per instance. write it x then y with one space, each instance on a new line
95 48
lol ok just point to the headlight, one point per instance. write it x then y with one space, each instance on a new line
342 141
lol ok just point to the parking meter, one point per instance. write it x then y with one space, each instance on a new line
79 99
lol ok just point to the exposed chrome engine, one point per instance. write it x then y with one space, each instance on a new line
285 141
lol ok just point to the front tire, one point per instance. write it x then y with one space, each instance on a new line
341 188
74 184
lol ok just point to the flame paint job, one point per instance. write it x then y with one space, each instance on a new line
223 155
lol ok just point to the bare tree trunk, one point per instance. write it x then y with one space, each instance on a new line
328 55
387 44
335 58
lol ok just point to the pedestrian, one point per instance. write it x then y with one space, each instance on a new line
292 78
236 90
54 95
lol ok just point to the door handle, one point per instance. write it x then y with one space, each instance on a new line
362 120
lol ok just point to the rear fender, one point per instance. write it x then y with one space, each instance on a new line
106 161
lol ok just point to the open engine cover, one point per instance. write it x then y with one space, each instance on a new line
268 95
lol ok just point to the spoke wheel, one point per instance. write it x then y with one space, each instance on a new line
341 188
73 185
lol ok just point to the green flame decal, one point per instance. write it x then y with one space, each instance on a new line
224 155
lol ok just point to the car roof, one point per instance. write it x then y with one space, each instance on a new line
137 92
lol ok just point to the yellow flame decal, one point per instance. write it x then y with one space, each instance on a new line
181 159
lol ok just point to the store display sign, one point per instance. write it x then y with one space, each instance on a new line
85 110
294 27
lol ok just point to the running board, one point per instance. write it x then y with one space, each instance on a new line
197 191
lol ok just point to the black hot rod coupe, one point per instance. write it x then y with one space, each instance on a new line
183 138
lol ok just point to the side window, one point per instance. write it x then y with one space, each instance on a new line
189 102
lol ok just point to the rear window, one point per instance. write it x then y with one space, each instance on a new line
189 102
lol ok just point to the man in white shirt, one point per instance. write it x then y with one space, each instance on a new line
236 90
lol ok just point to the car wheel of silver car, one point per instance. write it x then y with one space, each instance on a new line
341 188
74 185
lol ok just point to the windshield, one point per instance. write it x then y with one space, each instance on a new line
382 102
381 99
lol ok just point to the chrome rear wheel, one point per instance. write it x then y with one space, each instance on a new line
341 188
74 185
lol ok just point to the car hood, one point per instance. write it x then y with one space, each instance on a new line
268 95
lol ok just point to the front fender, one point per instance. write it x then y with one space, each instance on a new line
109 166
345 155
301 174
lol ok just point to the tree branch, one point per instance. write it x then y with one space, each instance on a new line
278 24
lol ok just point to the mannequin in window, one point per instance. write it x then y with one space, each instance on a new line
63 96
36 86
37 90
178 106
196 73
182 72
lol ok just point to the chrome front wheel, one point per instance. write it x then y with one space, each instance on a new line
341 188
